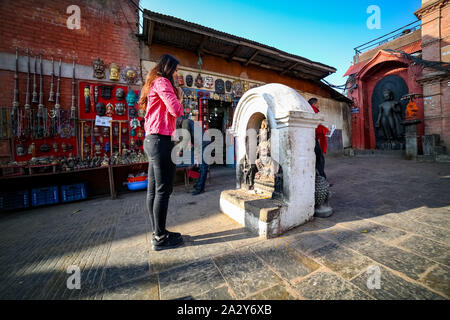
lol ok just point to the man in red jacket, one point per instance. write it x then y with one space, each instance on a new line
321 140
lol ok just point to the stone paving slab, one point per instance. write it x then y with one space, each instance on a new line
376 222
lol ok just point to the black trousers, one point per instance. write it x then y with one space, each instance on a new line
161 171
320 159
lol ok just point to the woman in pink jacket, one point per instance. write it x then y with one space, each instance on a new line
162 101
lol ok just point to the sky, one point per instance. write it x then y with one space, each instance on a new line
325 31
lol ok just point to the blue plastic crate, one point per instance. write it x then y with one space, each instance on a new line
73 192
43 196
14 200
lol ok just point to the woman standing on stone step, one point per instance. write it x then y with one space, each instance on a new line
162 100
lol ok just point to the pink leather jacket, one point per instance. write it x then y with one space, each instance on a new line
163 108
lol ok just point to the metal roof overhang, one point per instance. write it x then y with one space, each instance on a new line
171 31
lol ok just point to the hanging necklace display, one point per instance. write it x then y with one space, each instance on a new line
35 95
73 113
40 117
51 96
27 105
15 104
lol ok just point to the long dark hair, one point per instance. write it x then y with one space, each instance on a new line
166 66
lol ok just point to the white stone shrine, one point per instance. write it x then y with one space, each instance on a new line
292 124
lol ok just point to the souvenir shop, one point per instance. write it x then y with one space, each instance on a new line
212 98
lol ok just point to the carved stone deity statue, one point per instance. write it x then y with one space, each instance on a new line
264 161
389 117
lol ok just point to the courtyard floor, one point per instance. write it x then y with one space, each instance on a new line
391 218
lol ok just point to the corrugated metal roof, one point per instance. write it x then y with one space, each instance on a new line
181 33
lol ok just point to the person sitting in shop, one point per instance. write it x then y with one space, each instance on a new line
188 124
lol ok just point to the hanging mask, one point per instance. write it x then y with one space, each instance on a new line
106 92
238 89
189 80
120 94
114 72
131 98
100 108
55 147
209 82
134 123
199 81
180 79
64 147
220 86
99 68
120 109
228 85
98 149
20 150
141 112
132 113
130 75
109 110
107 147
132 143
106 132
116 131
96 131
124 130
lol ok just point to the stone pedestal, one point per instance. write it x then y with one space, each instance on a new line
411 141
292 122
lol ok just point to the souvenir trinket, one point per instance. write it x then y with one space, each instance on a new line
120 109
199 81
98 149
132 113
100 108
134 123
133 132
220 86
209 82
124 130
189 80
140 134
106 92
106 132
96 94
131 98
246 86
87 102
238 89
45 148
228 85
141 112
107 147
64 147
99 68
55 147
120 94
109 110
116 131
96 131
130 75
20 150
180 79
114 72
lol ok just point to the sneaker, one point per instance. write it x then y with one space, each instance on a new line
196 192
172 234
167 242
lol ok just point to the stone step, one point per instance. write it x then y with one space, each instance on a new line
439 150
425 158
442 158
387 153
